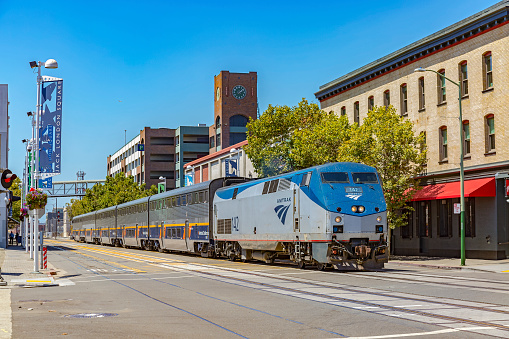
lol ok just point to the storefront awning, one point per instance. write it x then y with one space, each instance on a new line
484 187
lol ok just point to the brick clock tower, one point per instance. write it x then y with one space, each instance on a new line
235 101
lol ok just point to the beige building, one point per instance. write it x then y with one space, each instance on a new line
475 53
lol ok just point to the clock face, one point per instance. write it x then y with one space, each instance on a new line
239 92
218 93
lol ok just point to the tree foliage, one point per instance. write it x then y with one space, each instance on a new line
387 141
272 138
291 138
16 191
116 190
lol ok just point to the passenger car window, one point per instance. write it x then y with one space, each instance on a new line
335 177
365 178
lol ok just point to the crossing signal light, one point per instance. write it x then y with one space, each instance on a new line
8 178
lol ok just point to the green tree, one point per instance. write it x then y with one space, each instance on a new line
16 191
272 138
116 190
387 141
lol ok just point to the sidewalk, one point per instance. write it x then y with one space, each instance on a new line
18 269
498 266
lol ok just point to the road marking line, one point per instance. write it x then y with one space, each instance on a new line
450 330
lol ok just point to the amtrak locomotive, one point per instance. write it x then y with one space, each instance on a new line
329 215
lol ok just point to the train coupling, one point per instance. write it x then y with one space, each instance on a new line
362 251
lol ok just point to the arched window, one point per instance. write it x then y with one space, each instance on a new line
238 120
463 76
403 100
443 143
441 87
238 129
466 138
218 122
487 70
490 133
371 103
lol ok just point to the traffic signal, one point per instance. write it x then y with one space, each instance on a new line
58 215
8 178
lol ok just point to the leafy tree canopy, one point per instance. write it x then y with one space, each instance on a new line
292 138
387 142
276 138
116 190
16 191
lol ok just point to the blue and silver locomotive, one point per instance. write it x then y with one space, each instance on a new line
329 215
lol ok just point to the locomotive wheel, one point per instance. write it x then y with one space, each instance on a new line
302 265
320 266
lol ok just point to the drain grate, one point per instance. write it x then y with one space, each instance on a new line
91 315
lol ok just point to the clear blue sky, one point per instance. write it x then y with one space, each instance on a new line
131 64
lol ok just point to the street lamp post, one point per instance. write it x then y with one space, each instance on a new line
51 64
163 181
462 172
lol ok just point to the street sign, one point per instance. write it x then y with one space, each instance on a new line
141 147
457 208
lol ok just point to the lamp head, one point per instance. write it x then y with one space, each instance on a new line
24 140
29 148
161 178
33 64
233 150
51 63
420 69
29 114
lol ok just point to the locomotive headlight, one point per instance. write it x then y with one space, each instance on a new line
338 219
379 218
354 209
361 209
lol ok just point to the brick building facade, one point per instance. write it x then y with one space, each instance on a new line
235 101
475 52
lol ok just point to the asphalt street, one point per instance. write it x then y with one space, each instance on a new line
110 292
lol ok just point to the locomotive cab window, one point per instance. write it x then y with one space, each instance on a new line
335 177
306 179
365 178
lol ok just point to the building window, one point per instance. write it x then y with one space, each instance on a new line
211 141
218 122
177 140
441 86
371 103
463 76
487 71
466 138
238 120
469 218
356 112
403 98
424 219
444 218
422 102
407 230
387 98
443 144
343 110
490 133
218 139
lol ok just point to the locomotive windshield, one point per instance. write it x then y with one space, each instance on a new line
335 177
365 178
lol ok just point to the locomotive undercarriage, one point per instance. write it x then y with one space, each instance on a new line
355 255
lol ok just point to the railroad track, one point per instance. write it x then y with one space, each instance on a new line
483 317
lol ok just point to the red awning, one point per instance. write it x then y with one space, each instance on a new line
484 187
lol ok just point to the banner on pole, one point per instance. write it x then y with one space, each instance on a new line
230 168
50 130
